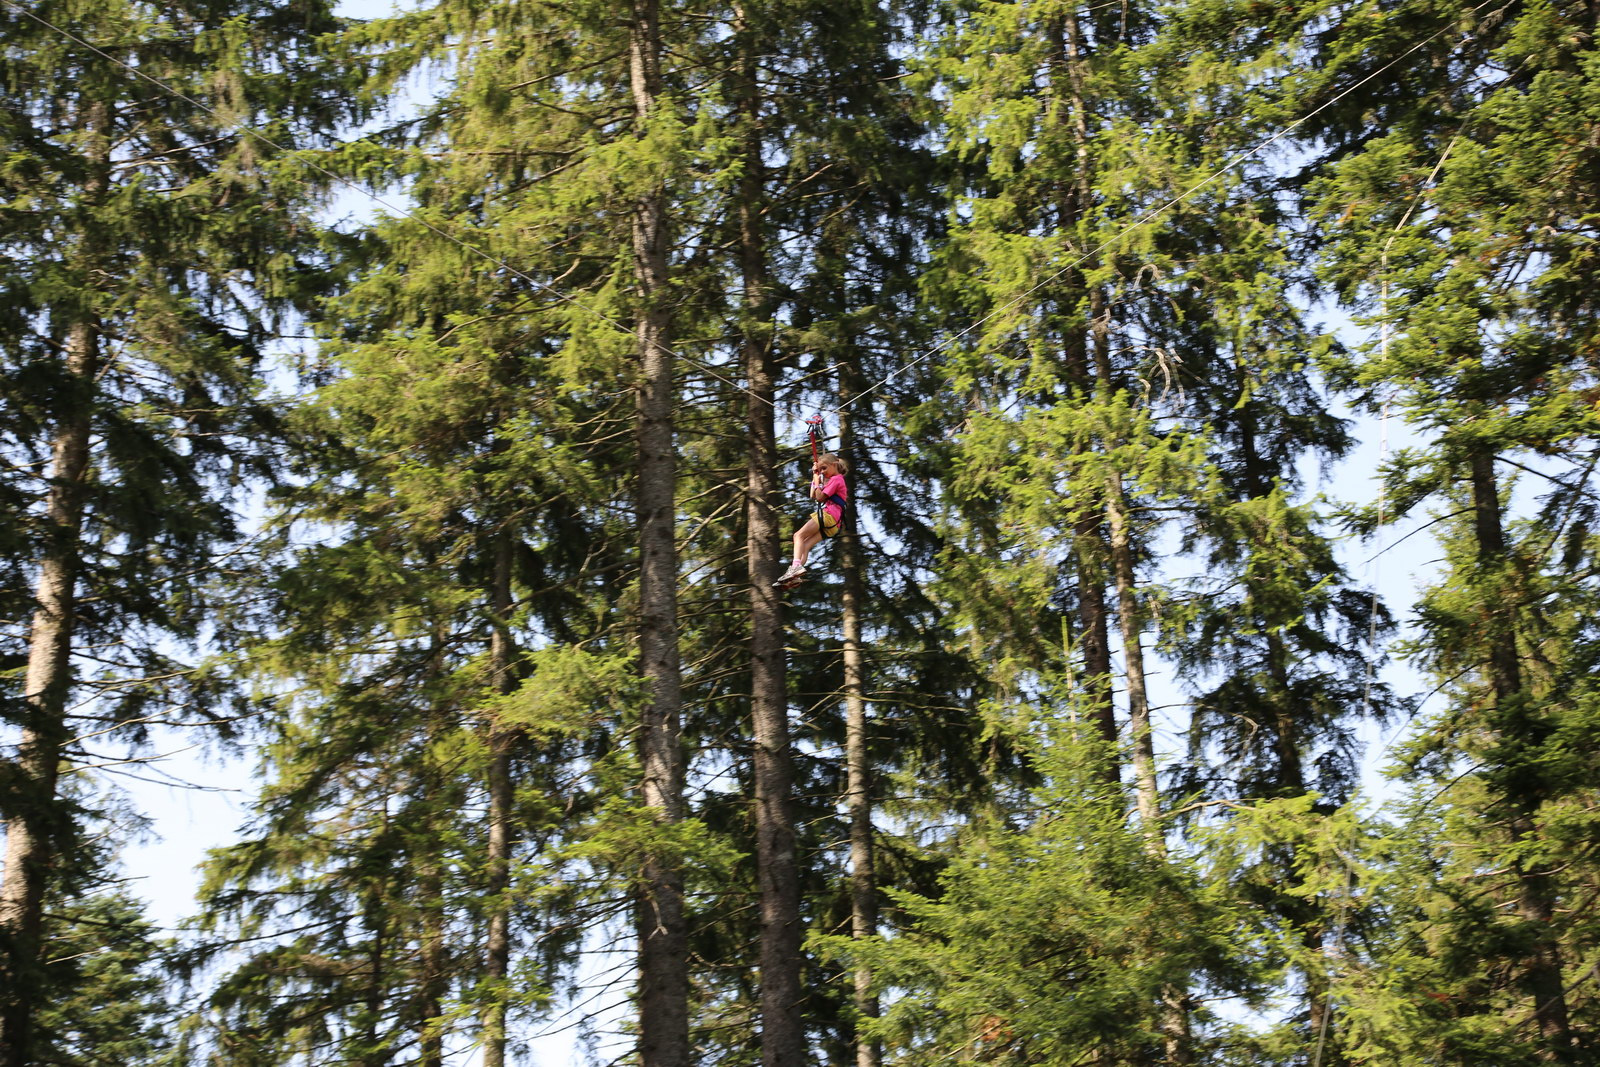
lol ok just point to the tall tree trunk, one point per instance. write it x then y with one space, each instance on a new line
782 1031
497 963
1285 727
858 769
37 828
1114 543
1174 1000
1174 1010
663 939
1094 637
35 832
1146 791
431 960
432 956
376 913
1542 979
1505 666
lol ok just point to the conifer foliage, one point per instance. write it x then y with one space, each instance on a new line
149 248
1063 754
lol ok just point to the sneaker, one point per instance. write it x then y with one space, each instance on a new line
790 576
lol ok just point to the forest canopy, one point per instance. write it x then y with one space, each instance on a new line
414 410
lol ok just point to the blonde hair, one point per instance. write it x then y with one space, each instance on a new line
838 462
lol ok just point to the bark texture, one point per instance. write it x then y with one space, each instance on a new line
35 829
497 948
1147 795
858 767
782 1029
663 941
35 824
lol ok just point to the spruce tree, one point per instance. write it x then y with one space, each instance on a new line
480 439
107 995
151 246
1465 265
1142 359
828 208
663 937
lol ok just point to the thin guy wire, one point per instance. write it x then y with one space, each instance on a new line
1153 214
1338 945
1377 559
1384 330
375 198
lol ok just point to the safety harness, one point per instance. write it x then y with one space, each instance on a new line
826 523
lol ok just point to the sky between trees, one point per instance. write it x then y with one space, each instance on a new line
457 524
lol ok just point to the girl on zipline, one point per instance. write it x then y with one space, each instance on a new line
828 489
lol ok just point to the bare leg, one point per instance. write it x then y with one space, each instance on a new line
804 539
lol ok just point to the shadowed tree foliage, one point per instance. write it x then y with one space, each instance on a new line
1052 760
152 252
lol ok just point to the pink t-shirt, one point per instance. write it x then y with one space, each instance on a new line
834 487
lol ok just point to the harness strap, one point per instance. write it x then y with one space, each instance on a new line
814 430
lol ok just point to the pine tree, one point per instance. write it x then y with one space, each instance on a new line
485 420
1143 359
106 995
411 700
757 31
1055 944
663 935
1467 268
829 202
148 240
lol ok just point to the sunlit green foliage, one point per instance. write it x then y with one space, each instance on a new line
1064 264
